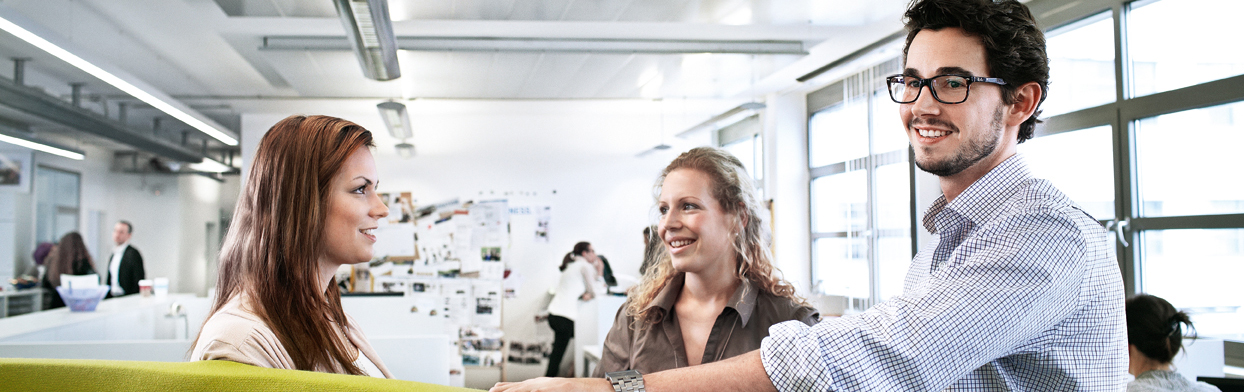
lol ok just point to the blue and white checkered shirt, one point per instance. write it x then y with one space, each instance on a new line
1021 292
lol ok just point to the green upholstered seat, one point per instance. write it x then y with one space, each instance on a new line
20 374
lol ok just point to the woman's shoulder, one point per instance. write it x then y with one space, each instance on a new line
775 309
235 334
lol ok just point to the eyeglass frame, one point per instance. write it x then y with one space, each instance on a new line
929 82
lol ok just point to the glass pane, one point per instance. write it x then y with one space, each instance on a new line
44 208
1198 271
894 196
1079 163
746 152
838 134
888 131
840 202
842 266
895 258
1178 158
1170 45
1081 65
66 189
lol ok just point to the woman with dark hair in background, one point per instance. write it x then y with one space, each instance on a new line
1155 332
580 270
309 206
68 258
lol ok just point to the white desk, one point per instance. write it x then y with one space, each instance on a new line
16 302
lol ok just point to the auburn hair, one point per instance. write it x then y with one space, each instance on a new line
272 250
70 253
734 190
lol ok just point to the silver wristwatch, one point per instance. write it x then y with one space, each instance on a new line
626 381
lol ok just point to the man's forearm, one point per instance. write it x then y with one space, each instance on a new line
741 373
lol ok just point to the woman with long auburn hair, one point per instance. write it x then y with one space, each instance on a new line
308 206
713 292
68 257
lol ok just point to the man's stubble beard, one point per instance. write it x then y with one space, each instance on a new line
969 153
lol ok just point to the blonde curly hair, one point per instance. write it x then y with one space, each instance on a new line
734 190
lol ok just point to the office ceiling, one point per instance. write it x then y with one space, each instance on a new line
219 56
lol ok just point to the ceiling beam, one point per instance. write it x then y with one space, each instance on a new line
540 45
52 109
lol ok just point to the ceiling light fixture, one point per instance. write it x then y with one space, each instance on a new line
725 118
406 150
211 166
396 119
370 32
39 145
115 81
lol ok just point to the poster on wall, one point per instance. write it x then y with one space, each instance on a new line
401 206
542 223
15 171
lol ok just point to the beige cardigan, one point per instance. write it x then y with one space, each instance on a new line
235 333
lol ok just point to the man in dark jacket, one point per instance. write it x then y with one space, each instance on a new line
125 266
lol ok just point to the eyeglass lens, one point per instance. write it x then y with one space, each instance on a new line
945 88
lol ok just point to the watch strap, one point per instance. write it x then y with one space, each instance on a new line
626 381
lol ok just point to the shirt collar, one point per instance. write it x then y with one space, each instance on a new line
121 247
742 301
978 202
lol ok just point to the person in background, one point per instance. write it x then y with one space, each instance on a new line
308 206
580 271
652 249
1155 333
125 266
69 258
37 269
606 272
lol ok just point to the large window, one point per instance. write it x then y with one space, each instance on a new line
860 190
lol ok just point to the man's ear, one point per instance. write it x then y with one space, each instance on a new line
1027 97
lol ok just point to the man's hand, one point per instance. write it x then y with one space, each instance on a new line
545 384
587 296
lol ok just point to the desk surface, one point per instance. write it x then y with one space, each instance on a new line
36 321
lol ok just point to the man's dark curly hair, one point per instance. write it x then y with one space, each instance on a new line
1014 46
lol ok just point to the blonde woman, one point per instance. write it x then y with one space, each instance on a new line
713 291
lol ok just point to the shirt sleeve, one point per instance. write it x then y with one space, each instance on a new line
589 277
998 290
616 352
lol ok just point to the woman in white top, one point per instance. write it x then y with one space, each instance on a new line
580 268
308 206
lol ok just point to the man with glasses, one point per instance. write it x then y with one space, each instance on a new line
1021 290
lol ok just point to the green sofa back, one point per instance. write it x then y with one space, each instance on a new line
20 374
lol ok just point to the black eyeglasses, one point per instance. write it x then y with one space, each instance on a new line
947 89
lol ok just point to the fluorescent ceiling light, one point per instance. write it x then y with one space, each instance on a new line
107 77
406 150
396 119
370 33
211 166
45 147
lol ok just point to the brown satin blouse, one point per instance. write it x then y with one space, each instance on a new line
739 329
